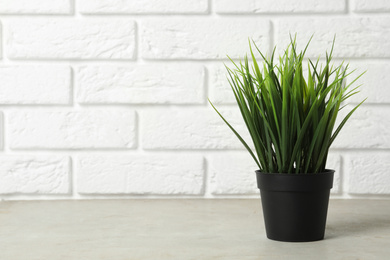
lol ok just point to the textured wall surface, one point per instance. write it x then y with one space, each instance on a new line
108 98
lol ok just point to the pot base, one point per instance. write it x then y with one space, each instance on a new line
295 216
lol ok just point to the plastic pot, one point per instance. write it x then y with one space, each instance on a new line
295 206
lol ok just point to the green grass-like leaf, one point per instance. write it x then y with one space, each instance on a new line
290 118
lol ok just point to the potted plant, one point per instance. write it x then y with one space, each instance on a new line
291 121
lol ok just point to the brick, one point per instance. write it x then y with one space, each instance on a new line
35 84
232 173
196 38
368 6
366 128
220 91
34 174
190 129
1 41
39 129
2 130
143 6
137 84
368 172
35 7
375 81
355 36
65 38
279 6
140 174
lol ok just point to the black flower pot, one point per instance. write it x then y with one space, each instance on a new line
295 205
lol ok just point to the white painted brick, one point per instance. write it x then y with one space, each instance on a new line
1 131
35 84
376 81
41 129
152 83
99 36
368 127
65 38
1 41
220 91
197 38
355 36
279 6
190 129
368 6
368 173
140 174
35 7
142 6
232 173
34 174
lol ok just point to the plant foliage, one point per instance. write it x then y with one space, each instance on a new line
290 118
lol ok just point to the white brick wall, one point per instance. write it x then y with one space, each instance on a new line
220 91
232 174
108 98
34 174
141 84
32 84
1 39
2 127
71 129
368 128
70 38
175 129
140 174
375 80
189 38
368 6
35 7
357 37
368 172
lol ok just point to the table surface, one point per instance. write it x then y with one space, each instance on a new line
182 229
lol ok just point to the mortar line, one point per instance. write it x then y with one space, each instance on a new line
137 131
348 7
92 150
342 175
136 55
210 8
132 62
2 42
206 178
72 181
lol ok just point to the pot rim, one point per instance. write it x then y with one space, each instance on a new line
327 171
295 182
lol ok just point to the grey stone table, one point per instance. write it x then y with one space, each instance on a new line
181 229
